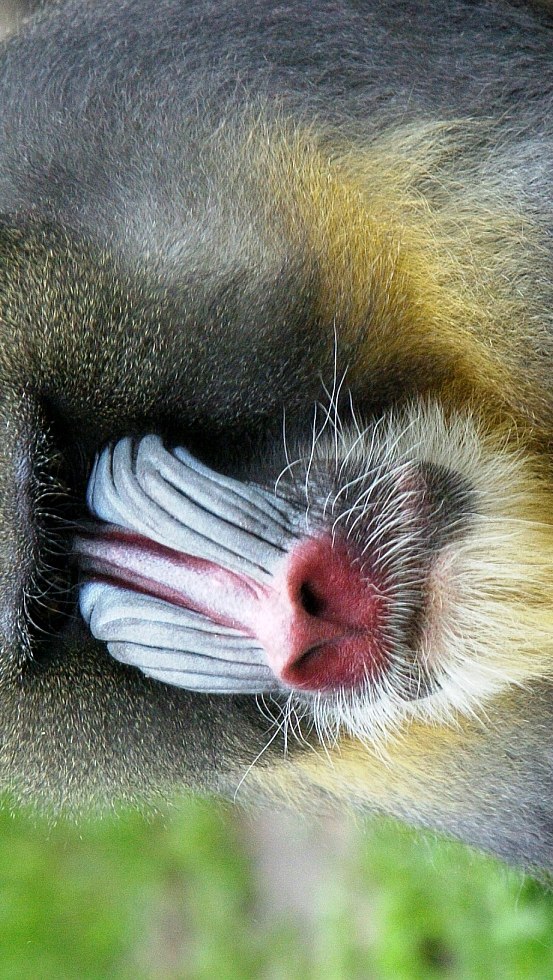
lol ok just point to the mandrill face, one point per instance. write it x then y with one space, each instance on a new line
276 411
345 592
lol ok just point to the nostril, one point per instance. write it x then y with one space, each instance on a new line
311 601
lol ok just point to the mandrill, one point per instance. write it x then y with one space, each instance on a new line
276 408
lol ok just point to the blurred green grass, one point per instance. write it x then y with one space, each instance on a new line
178 896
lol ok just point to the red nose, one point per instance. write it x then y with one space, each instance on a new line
323 623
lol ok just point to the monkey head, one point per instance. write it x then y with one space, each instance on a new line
276 413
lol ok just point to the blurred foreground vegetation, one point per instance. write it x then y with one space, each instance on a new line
185 895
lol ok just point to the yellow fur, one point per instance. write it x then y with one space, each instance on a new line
426 279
